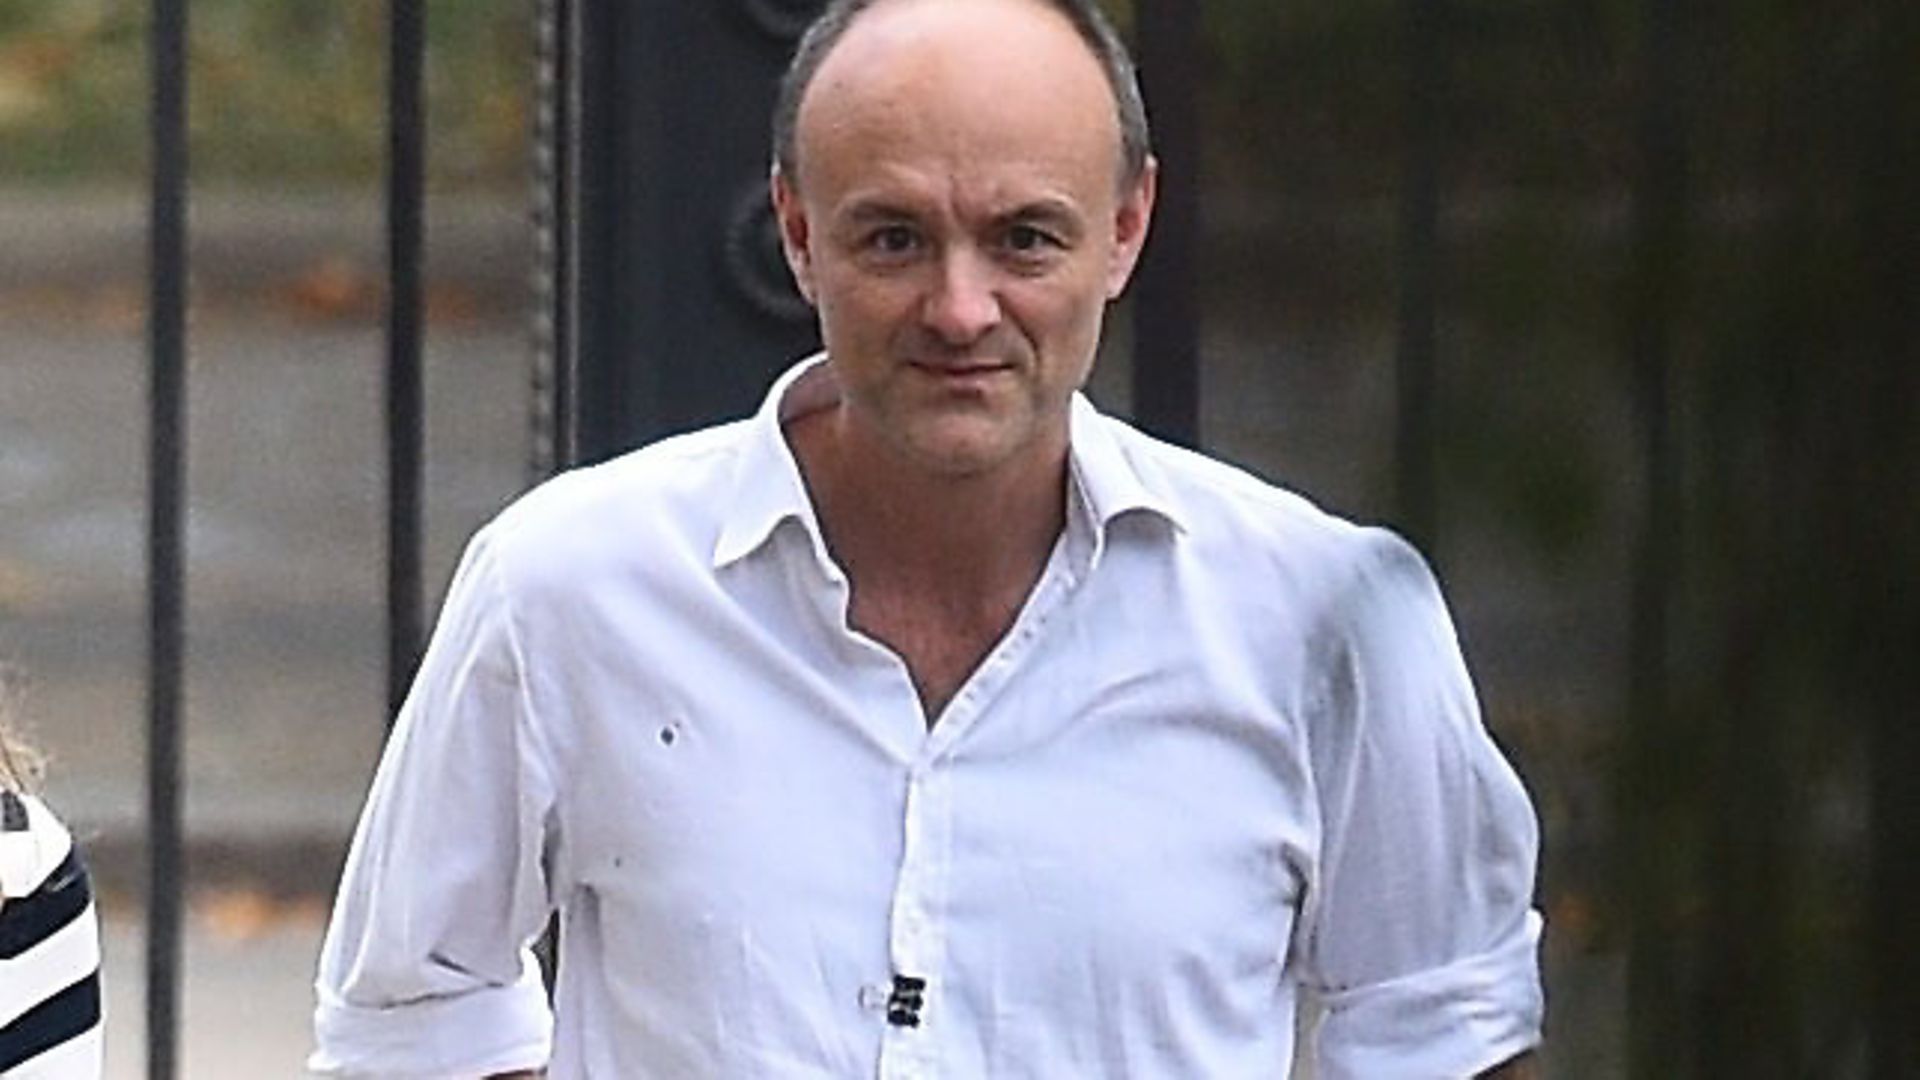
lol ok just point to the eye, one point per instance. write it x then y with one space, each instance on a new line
1032 248
1029 240
893 240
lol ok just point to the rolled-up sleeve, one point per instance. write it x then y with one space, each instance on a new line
426 970
1418 933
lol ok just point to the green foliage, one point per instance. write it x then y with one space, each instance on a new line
278 90
72 87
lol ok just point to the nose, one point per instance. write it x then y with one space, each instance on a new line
963 305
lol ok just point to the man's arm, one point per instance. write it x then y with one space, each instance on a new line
1418 931
426 968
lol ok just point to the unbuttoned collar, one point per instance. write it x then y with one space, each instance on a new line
1106 482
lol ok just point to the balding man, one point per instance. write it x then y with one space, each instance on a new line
929 722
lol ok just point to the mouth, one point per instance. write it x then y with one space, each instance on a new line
961 370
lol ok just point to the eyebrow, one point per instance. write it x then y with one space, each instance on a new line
1051 211
1047 211
865 210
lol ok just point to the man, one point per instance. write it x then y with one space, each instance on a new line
930 723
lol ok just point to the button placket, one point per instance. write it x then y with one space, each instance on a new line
917 937
917 940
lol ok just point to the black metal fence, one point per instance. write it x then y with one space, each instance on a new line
166 541
1772 507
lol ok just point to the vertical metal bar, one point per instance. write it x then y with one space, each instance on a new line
406 191
592 160
166 572
1890 163
554 444
1166 306
544 451
555 372
1657 1021
1416 354
567 138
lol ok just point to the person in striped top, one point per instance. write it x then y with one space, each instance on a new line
49 938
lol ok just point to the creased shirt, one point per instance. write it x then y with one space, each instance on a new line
1227 750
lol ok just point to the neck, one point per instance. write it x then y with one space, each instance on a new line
960 541
939 564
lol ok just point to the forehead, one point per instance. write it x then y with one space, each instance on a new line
974 86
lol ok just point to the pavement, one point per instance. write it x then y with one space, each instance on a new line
285 701
245 1004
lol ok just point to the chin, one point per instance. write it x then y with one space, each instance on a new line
958 462
965 449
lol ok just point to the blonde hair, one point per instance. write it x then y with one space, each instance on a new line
19 764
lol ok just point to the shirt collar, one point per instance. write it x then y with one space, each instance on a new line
1106 482
1110 481
767 487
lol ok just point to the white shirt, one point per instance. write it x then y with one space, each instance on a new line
1227 749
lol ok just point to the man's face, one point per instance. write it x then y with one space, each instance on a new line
957 222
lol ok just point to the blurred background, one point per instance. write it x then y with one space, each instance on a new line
1608 303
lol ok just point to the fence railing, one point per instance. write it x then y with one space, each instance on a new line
166 577
574 324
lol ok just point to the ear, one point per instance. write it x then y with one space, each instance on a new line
791 216
1132 214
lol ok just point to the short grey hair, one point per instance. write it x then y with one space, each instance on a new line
1092 24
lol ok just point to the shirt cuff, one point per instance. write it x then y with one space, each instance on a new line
1452 1021
491 1030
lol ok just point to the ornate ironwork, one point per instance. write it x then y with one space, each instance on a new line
784 20
754 264
548 450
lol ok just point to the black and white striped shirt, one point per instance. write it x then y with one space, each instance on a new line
49 950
